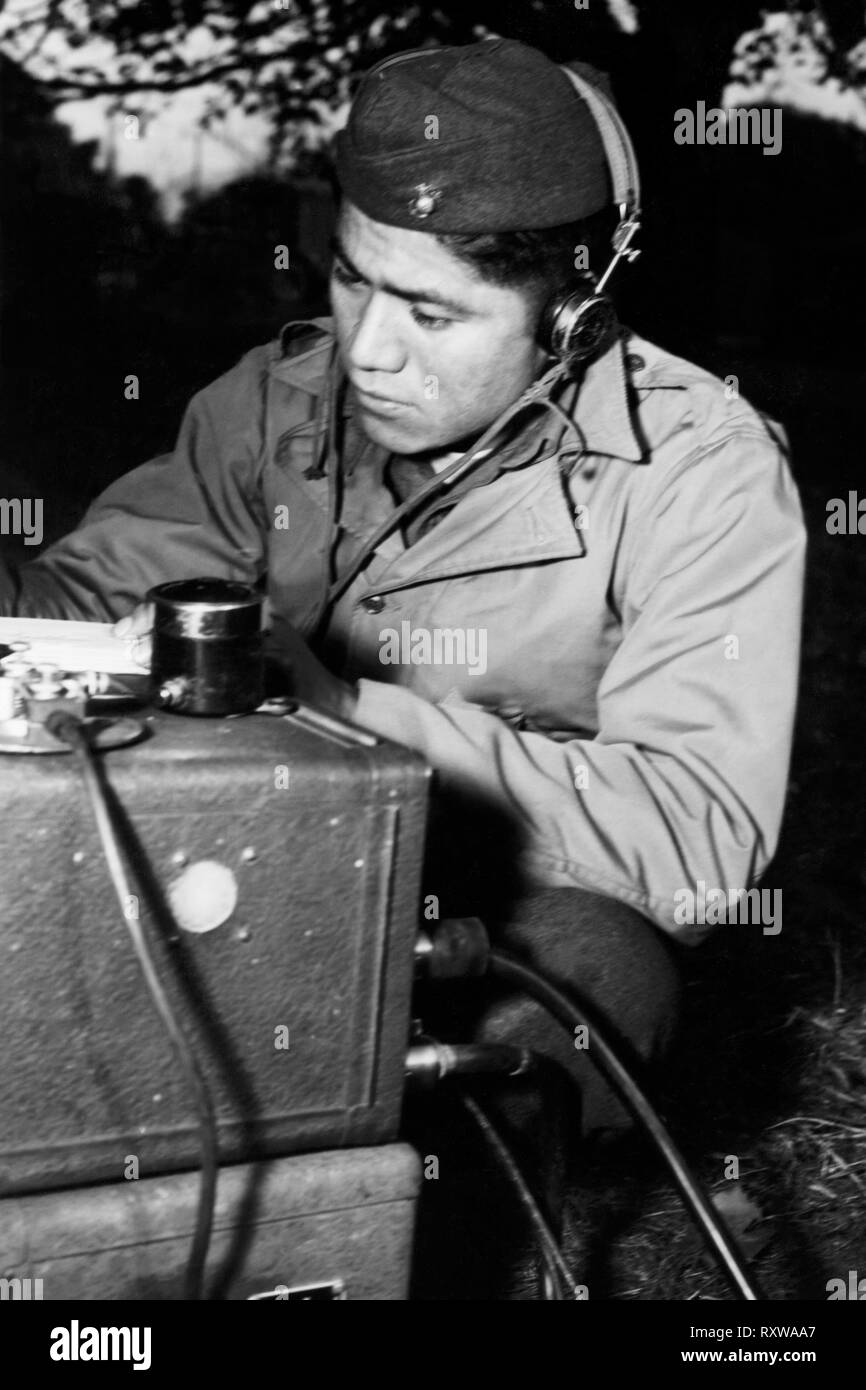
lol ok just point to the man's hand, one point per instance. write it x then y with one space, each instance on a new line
135 628
307 678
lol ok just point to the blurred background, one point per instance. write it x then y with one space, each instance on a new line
153 156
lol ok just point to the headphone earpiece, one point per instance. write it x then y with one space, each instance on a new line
580 320
578 324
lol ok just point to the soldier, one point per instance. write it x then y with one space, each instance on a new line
557 561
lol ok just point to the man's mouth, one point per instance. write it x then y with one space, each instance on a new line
379 405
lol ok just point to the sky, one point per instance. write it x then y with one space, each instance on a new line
169 148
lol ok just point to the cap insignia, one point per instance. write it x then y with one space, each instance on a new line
425 200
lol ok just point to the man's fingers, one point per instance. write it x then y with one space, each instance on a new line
135 628
141 648
135 624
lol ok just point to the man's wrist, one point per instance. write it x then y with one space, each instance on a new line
348 701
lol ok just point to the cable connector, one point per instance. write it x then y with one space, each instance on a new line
457 948
429 1061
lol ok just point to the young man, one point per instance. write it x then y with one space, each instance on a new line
592 633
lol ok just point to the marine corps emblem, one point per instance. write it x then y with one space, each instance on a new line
425 200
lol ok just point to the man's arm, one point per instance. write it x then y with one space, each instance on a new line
686 778
188 513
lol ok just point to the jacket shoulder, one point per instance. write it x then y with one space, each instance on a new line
672 394
299 356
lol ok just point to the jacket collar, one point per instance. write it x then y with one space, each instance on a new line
600 405
604 410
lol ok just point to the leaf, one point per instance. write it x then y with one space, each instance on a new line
741 1214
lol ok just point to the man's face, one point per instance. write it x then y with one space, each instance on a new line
434 352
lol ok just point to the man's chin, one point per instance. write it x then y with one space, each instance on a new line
397 436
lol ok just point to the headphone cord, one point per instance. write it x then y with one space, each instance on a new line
539 393
558 1277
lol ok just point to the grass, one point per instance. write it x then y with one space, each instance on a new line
802 1180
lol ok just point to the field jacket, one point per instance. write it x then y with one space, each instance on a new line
594 640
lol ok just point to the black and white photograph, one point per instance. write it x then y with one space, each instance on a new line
432 663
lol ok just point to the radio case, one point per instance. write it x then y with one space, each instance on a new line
297 1003
325 1226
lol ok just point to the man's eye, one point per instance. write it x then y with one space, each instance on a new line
344 276
432 321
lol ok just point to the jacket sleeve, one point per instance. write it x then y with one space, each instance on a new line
685 780
192 512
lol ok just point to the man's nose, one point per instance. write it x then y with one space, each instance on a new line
374 343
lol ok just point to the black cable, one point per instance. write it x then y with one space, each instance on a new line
605 1057
556 1268
71 731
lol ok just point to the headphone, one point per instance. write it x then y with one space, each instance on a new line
580 320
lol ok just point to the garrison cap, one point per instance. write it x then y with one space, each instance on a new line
487 137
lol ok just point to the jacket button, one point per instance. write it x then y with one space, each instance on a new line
634 362
374 604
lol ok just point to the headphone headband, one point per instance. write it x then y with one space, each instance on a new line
618 148
577 325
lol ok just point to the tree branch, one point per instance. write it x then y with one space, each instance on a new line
71 86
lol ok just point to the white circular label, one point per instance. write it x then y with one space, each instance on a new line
204 896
